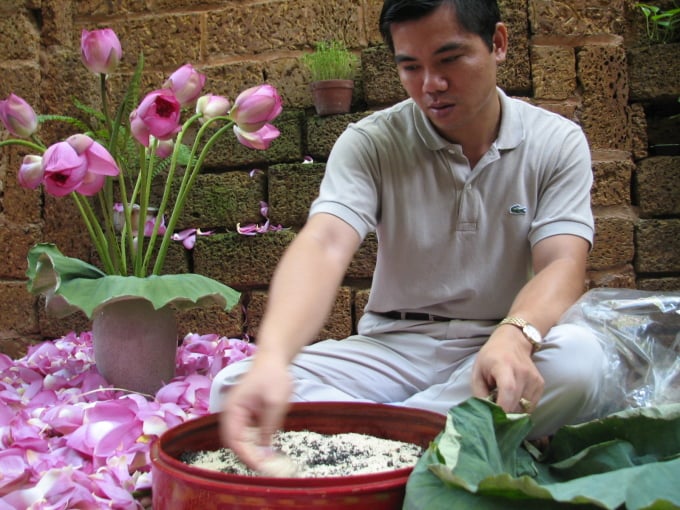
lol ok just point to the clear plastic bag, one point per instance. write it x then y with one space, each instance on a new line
640 334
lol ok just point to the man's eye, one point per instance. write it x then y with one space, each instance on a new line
450 59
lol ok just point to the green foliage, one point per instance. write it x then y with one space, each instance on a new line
481 461
663 26
331 60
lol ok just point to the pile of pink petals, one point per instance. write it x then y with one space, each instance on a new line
69 440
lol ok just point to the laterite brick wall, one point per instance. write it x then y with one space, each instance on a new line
586 59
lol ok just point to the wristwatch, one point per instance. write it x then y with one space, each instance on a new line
530 332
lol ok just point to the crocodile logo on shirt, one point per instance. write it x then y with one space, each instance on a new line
518 209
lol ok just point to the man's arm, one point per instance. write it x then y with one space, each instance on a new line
301 295
504 363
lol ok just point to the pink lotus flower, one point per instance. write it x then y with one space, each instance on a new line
64 169
18 116
157 115
77 164
211 106
255 107
260 139
186 83
31 172
100 50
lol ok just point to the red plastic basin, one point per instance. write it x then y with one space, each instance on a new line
179 486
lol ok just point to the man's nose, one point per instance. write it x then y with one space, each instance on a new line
434 82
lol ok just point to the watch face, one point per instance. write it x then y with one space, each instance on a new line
533 334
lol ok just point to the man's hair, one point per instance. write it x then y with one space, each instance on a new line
475 16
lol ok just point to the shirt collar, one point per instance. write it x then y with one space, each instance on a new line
510 134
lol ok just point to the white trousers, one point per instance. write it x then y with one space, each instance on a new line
428 365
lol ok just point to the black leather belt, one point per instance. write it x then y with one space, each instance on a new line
413 316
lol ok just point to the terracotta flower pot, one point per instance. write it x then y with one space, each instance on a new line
332 96
135 345
180 486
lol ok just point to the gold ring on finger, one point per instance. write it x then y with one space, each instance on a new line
526 405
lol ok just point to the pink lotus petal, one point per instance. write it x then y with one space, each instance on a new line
75 442
15 471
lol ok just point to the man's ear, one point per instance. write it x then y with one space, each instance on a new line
500 42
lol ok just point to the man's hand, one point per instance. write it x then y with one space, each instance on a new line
504 366
254 410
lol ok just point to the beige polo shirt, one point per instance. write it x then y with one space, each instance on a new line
456 241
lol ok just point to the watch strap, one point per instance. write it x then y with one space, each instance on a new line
521 324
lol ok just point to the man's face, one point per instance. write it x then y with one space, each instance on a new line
449 73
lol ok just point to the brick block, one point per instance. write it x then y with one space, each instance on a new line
228 152
363 263
657 186
298 25
611 184
61 67
380 77
638 131
241 261
19 36
17 346
622 277
667 284
19 205
372 10
15 241
57 24
225 199
291 209
291 79
657 246
232 78
65 228
614 240
168 41
514 75
553 71
322 132
567 109
53 327
653 71
663 126
211 320
95 8
360 301
19 314
337 326
576 17
601 70
20 78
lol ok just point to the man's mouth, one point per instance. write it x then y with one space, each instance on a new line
441 108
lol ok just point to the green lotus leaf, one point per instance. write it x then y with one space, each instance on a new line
69 284
629 459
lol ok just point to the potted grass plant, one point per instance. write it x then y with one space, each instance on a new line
332 67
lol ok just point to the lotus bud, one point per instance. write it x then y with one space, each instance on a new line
18 116
255 107
100 50
211 106
186 83
31 172
164 148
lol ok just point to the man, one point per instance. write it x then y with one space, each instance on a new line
482 211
